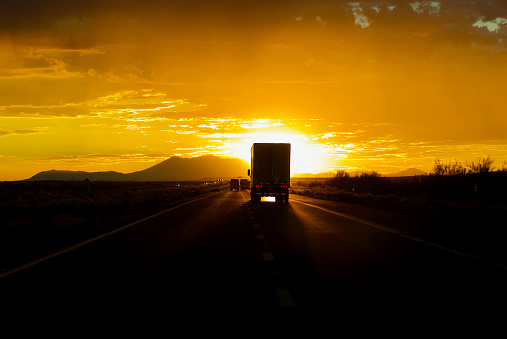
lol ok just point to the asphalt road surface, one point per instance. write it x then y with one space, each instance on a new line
224 252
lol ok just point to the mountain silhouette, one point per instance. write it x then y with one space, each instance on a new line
78 176
407 173
172 169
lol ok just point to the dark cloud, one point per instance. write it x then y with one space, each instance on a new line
21 131
24 131
222 14
86 24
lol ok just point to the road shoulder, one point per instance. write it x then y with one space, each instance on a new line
483 244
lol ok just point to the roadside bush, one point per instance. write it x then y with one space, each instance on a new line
452 185
34 211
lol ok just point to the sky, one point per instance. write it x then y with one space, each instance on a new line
353 85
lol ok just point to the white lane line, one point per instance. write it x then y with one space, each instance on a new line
38 261
387 229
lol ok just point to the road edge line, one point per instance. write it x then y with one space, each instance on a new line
86 242
401 234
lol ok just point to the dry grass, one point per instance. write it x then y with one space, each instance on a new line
40 217
464 212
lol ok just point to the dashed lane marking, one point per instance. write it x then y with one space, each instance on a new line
283 295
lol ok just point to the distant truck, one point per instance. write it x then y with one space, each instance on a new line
244 184
270 171
234 185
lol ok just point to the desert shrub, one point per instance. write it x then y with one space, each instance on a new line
62 221
450 184
483 165
34 209
452 168
315 184
371 182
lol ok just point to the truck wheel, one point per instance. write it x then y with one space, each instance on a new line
286 198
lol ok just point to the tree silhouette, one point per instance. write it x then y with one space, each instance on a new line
483 165
452 168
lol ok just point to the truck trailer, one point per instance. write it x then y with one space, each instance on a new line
244 184
270 171
234 185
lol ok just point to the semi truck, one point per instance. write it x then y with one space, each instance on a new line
234 185
270 171
244 184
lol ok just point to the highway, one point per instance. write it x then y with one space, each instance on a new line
223 251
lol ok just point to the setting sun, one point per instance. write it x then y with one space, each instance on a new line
305 157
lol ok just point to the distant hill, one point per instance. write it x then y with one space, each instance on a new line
313 175
177 168
78 176
172 169
407 173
